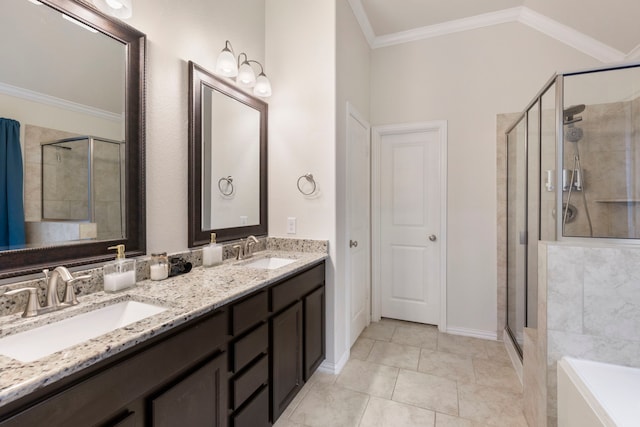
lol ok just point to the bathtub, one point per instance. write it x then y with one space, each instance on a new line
597 394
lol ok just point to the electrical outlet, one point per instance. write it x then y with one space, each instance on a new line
291 225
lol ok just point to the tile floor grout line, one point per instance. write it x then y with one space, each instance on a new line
364 411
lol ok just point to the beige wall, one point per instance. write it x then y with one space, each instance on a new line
467 79
300 42
176 33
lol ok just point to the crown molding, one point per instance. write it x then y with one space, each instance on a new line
52 101
363 20
634 54
567 35
449 27
521 14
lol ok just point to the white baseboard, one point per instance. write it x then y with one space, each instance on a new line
334 368
475 333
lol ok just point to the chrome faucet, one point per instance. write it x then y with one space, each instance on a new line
249 244
245 248
53 303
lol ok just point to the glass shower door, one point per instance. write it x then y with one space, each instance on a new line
517 232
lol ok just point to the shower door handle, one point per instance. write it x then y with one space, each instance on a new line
523 238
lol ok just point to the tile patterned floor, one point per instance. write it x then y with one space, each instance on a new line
402 374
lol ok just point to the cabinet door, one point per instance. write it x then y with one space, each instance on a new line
286 358
314 330
200 399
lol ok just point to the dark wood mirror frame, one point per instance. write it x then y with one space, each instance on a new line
199 77
26 261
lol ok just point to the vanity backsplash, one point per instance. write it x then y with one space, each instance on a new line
16 304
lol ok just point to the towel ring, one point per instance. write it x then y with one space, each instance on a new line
229 182
309 178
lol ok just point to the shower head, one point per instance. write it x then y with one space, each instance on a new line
570 112
574 109
573 134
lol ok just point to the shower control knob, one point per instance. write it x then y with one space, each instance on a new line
353 243
433 237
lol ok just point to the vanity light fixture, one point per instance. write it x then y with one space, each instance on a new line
117 8
242 70
263 85
246 76
226 64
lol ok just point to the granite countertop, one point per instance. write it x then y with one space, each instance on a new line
186 297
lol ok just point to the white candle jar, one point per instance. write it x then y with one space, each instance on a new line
159 266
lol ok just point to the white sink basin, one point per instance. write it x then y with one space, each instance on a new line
42 341
269 263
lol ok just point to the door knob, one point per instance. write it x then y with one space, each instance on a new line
433 237
353 243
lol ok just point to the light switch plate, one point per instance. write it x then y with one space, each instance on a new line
291 225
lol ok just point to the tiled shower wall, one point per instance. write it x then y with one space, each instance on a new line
610 156
590 298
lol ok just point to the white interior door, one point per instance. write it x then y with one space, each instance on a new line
359 222
411 232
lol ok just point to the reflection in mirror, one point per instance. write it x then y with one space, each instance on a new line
231 166
74 91
227 165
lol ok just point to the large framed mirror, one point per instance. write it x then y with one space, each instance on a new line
227 160
73 91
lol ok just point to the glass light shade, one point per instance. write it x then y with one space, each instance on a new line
246 76
262 87
226 64
118 8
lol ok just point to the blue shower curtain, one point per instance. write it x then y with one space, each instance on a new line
11 205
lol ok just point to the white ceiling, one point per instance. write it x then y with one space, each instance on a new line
607 30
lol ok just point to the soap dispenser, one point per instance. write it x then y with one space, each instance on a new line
212 253
120 274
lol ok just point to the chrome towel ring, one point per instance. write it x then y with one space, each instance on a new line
311 180
229 186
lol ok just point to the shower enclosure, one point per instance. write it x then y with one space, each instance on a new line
83 180
573 172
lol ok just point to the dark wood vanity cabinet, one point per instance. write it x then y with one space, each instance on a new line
181 374
249 362
297 334
238 366
314 331
287 357
278 342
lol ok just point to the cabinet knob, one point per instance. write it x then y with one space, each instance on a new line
353 243
433 237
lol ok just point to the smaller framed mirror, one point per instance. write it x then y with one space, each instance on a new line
227 160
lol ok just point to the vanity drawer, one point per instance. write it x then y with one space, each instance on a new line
295 288
256 413
249 347
245 384
249 312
